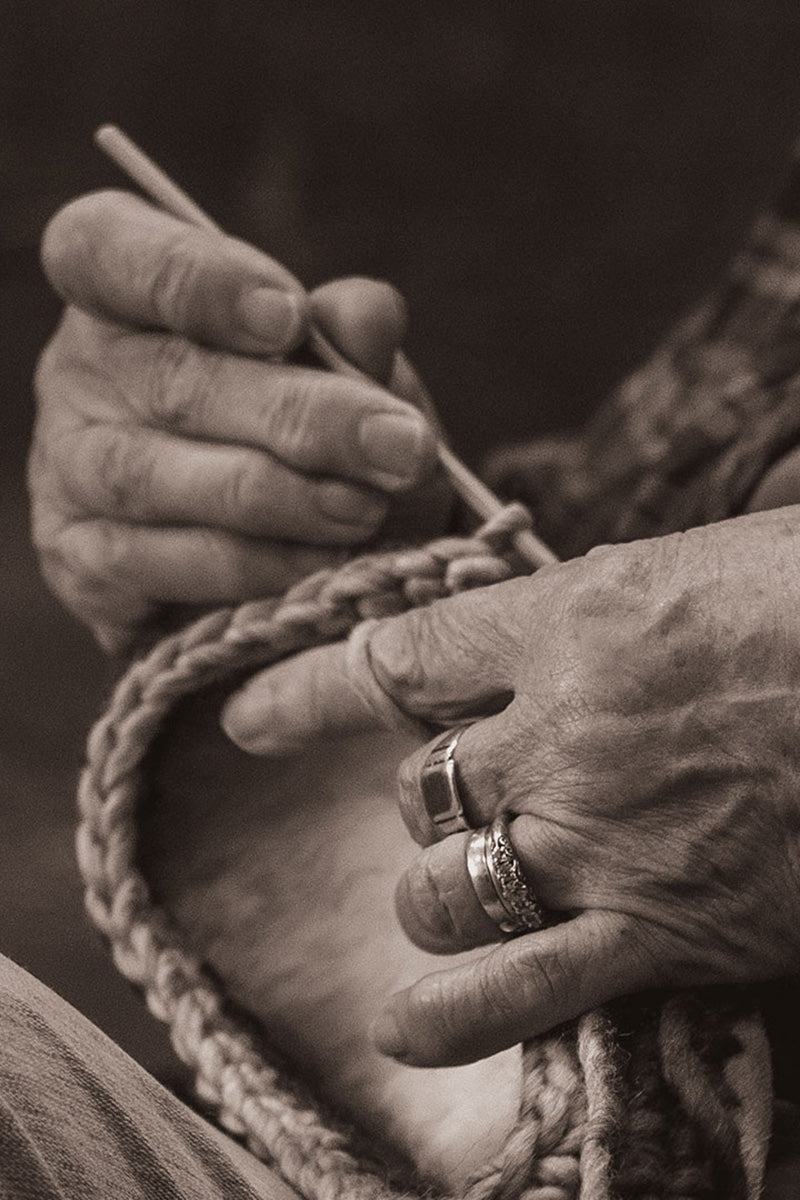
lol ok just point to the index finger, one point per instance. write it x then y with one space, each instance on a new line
456 658
118 257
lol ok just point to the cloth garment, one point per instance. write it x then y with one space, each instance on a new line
686 439
81 1120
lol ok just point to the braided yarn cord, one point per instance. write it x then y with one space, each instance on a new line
657 1119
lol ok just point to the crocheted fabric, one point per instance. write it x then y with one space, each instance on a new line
656 1099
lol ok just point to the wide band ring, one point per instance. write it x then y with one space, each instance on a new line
499 882
439 784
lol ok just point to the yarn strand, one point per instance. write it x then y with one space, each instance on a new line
570 1115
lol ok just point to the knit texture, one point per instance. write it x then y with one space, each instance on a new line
634 1104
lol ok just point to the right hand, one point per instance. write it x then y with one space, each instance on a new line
637 723
177 460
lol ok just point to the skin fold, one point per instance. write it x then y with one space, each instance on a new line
638 707
179 457
647 750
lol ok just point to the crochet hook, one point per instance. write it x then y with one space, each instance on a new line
164 191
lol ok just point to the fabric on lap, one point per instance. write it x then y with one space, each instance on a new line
80 1119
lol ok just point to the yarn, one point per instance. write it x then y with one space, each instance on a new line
580 1134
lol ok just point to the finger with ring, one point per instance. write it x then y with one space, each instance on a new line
439 784
442 910
448 786
499 881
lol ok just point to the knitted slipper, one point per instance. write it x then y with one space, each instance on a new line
657 1099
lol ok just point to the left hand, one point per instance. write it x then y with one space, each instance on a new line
645 742
180 458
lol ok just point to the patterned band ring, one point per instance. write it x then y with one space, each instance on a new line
499 882
439 784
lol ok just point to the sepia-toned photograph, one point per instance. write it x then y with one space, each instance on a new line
400 591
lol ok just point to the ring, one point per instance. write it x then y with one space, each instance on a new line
499 882
439 784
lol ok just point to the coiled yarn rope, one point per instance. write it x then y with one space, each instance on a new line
658 1118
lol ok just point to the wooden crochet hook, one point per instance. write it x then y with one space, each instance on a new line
164 191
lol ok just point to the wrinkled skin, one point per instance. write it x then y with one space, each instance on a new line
648 750
178 458
182 458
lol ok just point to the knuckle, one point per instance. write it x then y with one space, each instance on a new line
530 978
76 355
182 383
425 910
172 288
96 551
618 578
92 604
398 653
60 357
55 574
125 469
246 501
45 543
408 655
653 952
292 425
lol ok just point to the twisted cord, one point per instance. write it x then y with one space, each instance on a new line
598 1056
560 1146
232 1074
541 1158
691 1054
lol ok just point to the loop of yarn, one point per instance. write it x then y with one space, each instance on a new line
571 1115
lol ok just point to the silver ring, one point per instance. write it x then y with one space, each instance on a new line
499 882
439 784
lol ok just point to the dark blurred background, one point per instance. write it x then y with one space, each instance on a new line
549 183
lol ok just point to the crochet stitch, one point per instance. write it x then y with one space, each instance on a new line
630 1104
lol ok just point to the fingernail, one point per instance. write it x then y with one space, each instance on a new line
388 1037
351 505
233 726
272 317
395 446
254 730
245 728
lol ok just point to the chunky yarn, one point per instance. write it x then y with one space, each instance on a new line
612 1108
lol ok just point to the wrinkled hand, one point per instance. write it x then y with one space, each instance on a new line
644 736
175 460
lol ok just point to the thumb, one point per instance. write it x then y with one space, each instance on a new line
117 257
517 991
365 319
